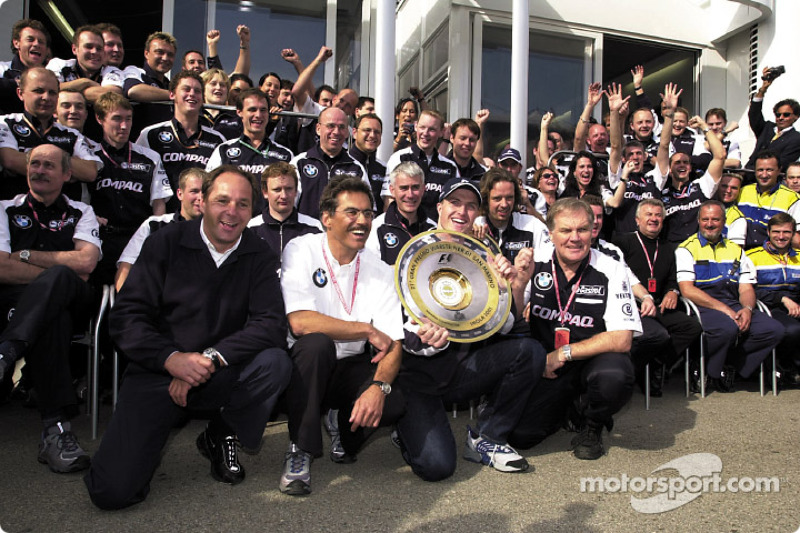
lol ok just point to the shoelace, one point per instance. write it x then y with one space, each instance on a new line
68 442
230 446
297 462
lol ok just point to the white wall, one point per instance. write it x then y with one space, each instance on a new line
10 12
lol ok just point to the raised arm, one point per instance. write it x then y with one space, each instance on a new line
305 82
717 164
480 118
669 102
243 61
594 96
543 155
615 104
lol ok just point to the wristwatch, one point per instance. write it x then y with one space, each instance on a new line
385 387
567 351
214 356
25 256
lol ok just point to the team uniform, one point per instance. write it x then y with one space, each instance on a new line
327 372
315 169
153 223
718 270
758 207
376 171
278 233
438 170
597 299
179 152
681 206
147 113
23 132
43 312
522 231
472 170
391 231
639 187
123 193
227 123
10 72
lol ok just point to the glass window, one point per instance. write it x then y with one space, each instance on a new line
348 44
408 78
435 54
555 83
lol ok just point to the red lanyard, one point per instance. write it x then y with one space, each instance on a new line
113 162
647 255
562 311
36 216
347 308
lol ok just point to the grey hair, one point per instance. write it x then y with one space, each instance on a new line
407 168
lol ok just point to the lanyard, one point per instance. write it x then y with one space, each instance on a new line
562 311
650 264
347 308
36 130
113 162
262 153
36 216
178 137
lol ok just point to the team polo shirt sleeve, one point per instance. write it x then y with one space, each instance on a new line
87 228
707 185
112 77
159 186
310 107
215 160
134 246
5 235
83 150
684 264
7 139
621 313
747 270
57 66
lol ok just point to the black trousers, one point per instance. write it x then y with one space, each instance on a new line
604 383
43 316
130 451
664 338
320 382
787 351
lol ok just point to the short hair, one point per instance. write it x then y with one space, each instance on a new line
107 27
711 203
287 84
683 110
329 200
767 154
365 116
655 202
16 31
279 168
362 100
734 175
632 144
109 101
717 112
468 123
187 52
568 205
191 172
27 73
239 76
247 93
319 90
431 113
66 157
209 74
593 199
212 176
182 75
161 36
778 219
264 77
792 165
791 102
407 168
71 90
91 28
492 177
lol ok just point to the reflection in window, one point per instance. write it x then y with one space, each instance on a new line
434 57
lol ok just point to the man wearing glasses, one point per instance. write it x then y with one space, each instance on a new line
345 326
367 140
325 161
780 136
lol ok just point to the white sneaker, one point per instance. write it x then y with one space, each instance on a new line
501 457
296 478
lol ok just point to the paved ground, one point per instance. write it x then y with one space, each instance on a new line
752 436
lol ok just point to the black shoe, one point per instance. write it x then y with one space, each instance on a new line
694 379
223 455
9 353
588 444
656 379
723 384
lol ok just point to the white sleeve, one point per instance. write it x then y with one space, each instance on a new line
55 66
394 160
621 313
293 162
215 160
83 150
5 234
134 246
112 77
387 314
684 264
747 270
143 140
7 139
737 231
310 107
659 179
734 151
159 186
707 185
87 229
794 211
295 276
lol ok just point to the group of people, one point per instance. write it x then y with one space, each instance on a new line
252 253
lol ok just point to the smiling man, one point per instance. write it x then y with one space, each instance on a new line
464 138
366 141
228 359
150 83
346 324
780 136
30 44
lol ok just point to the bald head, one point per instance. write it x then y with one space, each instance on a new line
346 100
332 130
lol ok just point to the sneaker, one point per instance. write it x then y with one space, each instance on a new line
588 444
296 478
338 455
61 451
394 437
500 456
9 353
224 457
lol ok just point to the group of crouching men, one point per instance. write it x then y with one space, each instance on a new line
215 322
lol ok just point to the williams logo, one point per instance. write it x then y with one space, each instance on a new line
320 278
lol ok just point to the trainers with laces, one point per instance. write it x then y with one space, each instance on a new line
588 444
61 451
501 457
224 457
296 478
338 455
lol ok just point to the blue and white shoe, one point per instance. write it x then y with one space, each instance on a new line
296 478
501 457
338 455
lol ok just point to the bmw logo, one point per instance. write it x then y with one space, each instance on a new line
391 240
543 281
233 152
22 221
310 170
165 137
320 278
22 130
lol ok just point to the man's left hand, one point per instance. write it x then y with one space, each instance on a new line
368 409
670 301
647 307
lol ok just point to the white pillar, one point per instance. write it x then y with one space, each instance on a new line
329 68
519 77
384 65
